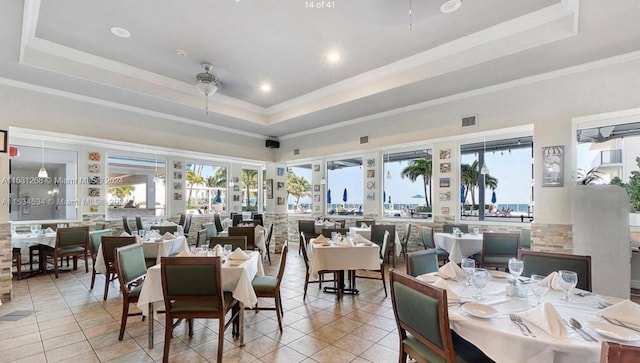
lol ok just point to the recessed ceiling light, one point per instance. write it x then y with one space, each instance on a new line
450 6
120 32
333 57
265 87
183 52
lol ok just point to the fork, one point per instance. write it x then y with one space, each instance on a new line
514 319
619 323
519 319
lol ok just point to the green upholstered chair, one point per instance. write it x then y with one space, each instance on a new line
164 229
70 242
234 241
448 228
218 223
422 262
95 238
35 249
321 273
422 317
183 218
429 244
131 269
210 228
525 239
249 232
384 251
544 263
498 248
192 289
267 243
377 236
619 353
187 224
327 231
405 239
269 287
109 245
308 227
202 237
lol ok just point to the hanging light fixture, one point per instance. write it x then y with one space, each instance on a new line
155 175
450 6
388 171
484 170
43 172
207 83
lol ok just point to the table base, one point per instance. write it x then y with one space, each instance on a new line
342 289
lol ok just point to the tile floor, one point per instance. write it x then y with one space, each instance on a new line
61 320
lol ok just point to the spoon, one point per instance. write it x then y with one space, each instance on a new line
577 326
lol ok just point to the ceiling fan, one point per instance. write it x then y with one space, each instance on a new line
207 83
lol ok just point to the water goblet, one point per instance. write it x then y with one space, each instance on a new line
33 228
539 288
568 280
515 268
480 276
227 249
468 265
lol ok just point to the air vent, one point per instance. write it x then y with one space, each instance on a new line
469 121
296 151
364 139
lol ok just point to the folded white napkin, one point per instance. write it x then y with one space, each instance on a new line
217 250
363 225
547 318
139 239
49 230
320 239
359 239
125 234
185 253
452 270
328 224
239 254
626 311
451 296
167 236
345 242
553 281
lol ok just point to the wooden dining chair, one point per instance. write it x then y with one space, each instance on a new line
405 240
139 225
422 262
422 317
218 223
192 289
269 287
498 248
164 229
267 243
234 241
109 245
326 232
70 242
525 239
236 219
125 224
258 219
308 227
210 228
131 269
95 238
384 251
249 232
16 256
202 238
187 225
613 352
35 249
429 244
448 228
377 236
321 273
183 218
544 263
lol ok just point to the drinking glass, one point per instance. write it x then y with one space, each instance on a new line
33 228
480 276
568 280
227 249
515 268
538 287
468 265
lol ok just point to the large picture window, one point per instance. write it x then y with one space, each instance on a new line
206 188
299 189
249 189
344 186
407 179
141 184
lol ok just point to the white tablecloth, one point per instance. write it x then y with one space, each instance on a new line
336 258
459 247
320 226
366 233
24 240
236 279
502 340
155 250
260 239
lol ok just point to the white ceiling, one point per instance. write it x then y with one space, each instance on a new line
66 47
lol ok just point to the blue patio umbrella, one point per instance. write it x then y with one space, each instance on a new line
344 195
218 197
329 196
384 196
493 197
462 198
389 199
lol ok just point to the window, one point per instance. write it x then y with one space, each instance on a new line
206 188
52 198
299 189
506 192
407 180
136 182
344 186
250 190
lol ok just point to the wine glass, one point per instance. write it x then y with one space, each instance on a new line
515 268
538 287
227 249
480 276
468 265
33 229
568 280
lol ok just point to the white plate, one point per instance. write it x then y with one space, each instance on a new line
614 332
479 310
428 278
499 274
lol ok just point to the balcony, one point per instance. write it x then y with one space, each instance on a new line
607 158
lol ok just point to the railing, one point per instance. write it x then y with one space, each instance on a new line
607 157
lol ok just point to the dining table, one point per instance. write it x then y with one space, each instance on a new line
235 277
459 247
502 340
365 232
40 239
260 239
320 225
152 249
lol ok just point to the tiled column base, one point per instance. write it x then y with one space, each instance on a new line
551 237
280 229
6 285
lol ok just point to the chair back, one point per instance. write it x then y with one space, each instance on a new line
421 310
308 227
210 229
192 283
377 232
202 237
422 262
109 245
187 224
407 233
130 265
339 223
368 222
385 246
234 241
267 242
305 256
619 353
525 238
218 222
448 228
283 261
139 225
258 219
125 224
249 232
236 219
183 218
327 231
72 237
95 239
427 238
544 263
164 229
498 248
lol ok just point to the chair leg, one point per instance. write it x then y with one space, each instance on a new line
269 256
280 298
55 266
86 261
107 277
384 284
278 310
306 284
93 278
220 339
123 321
168 327
190 323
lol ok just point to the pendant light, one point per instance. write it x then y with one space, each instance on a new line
155 175
388 171
484 170
43 172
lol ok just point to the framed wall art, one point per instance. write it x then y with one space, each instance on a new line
445 167
553 166
269 188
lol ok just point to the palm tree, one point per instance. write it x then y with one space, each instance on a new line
469 178
193 179
249 181
297 186
420 168
122 191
